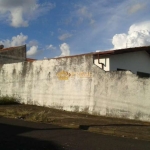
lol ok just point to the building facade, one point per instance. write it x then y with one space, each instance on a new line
136 60
13 54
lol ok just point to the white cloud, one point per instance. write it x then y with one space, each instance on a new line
15 41
136 7
119 41
32 51
19 12
84 13
21 40
140 26
65 49
138 35
33 43
65 36
51 47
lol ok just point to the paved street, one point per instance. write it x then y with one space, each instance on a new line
21 135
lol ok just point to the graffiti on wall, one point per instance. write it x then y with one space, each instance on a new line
64 75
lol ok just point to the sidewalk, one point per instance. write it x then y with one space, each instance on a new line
99 124
106 125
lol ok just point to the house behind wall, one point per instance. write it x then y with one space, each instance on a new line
13 54
136 60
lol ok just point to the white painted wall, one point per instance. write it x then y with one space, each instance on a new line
40 82
105 61
122 94
76 84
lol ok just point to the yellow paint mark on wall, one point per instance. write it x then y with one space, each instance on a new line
64 75
81 74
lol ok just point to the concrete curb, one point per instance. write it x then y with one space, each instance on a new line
124 132
121 133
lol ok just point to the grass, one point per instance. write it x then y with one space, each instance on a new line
40 116
7 100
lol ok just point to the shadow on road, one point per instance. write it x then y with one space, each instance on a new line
11 138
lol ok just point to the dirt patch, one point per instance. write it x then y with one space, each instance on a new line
99 124
47 115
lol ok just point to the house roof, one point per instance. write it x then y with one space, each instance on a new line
101 53
30 60
125 50
11 48
14 48
112 52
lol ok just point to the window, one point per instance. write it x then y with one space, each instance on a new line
118 69
143 75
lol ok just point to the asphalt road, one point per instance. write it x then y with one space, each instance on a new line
21 135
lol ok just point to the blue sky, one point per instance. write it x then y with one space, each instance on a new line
52 28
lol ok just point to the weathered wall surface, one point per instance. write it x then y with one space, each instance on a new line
62 83
123 95
76 84
13 55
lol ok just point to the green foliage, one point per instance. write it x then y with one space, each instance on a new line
7 100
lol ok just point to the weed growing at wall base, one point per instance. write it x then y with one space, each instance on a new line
7 100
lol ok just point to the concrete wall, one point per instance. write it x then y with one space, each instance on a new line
13 55
133 61
76 84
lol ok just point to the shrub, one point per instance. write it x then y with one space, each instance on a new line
7 100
